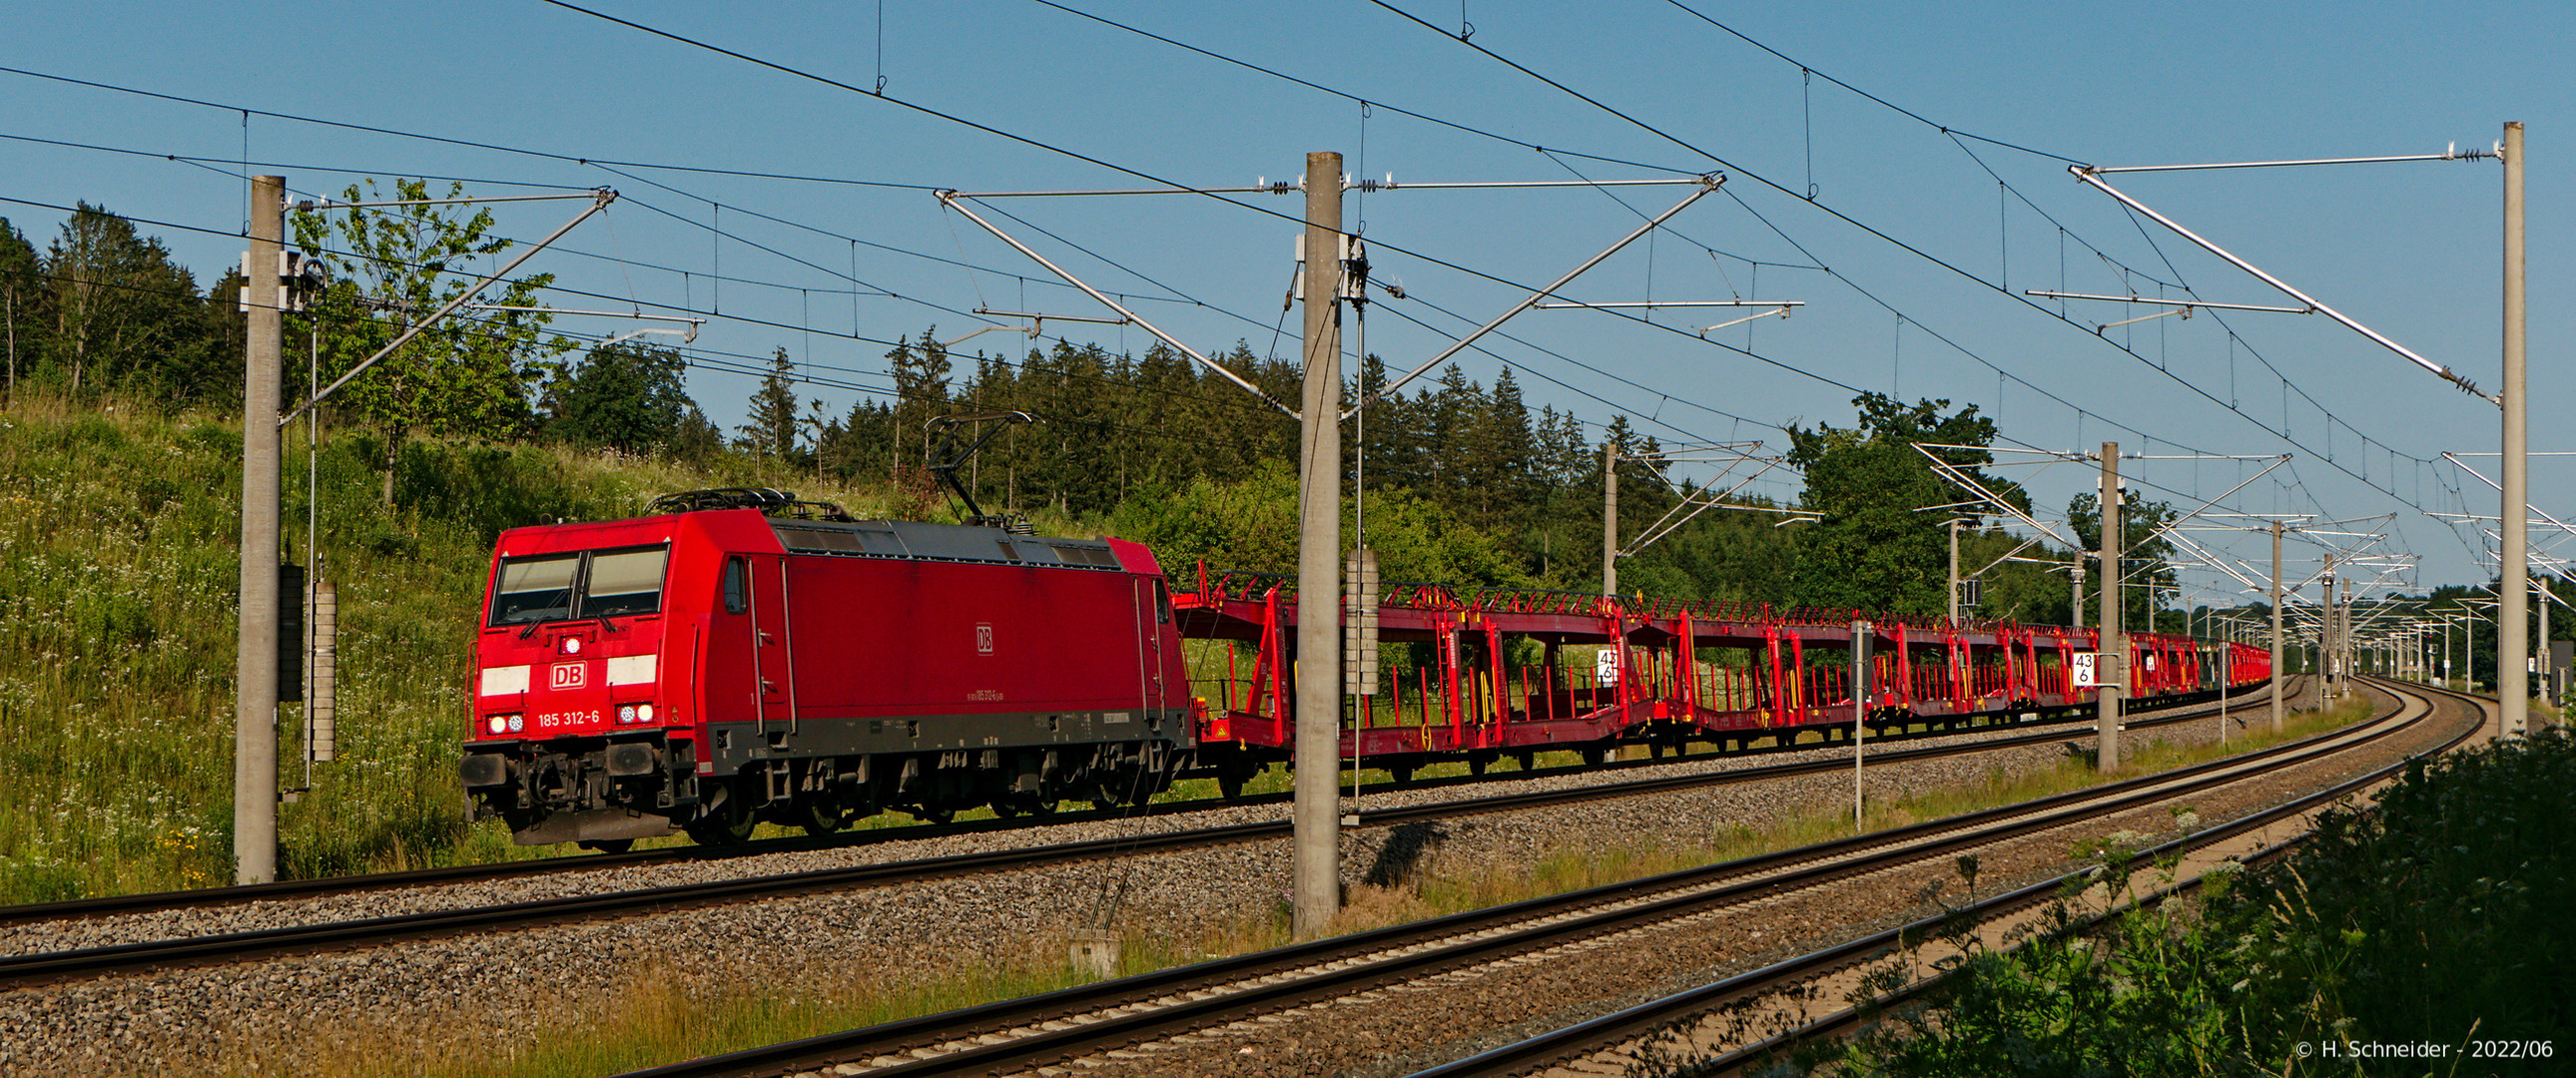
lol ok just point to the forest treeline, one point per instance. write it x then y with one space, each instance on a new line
1459 481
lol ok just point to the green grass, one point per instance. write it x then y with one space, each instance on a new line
650 1016
118 570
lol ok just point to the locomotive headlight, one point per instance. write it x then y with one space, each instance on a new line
625 713
516 723
643 712
498 724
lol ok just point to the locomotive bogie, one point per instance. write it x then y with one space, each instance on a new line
588 789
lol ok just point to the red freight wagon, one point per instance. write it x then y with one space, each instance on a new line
745 656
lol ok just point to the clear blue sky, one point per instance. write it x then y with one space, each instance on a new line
2410 249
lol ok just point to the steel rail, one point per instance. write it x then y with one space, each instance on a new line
1152 1005
44 967
1575 1041
162 901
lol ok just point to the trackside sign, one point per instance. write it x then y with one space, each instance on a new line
2095 669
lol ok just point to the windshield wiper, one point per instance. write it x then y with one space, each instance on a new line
539 617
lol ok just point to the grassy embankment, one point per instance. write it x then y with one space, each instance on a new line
645 1019
118 568
118 533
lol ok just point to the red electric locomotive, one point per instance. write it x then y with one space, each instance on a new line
744 656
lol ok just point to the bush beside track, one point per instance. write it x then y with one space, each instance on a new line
2435 920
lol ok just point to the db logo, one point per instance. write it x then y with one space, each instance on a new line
571 675
984 638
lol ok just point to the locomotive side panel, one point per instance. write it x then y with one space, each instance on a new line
923 653
889 653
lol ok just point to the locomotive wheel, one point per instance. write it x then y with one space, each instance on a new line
730 823
721 831
820 819
1023 805
609 845
942 814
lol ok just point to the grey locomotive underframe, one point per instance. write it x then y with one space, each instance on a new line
639 784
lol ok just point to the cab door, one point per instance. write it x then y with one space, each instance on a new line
731 688
772 654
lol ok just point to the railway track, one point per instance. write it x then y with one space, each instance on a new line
37 968
33 967
591 862
1604 1045
1109 1016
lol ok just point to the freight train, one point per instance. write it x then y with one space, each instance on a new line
742 656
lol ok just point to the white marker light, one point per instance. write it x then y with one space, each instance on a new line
643 712
499 724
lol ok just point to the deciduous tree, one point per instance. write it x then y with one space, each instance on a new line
625 396
474 373
1871 549
124 315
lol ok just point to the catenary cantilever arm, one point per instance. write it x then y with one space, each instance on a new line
2445 373
598 202
1707 184
949 199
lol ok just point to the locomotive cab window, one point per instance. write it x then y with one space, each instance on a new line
624 582
535 589
587 584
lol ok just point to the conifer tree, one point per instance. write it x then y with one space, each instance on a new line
771 432
920 372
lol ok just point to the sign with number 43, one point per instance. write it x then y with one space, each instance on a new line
2094 669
